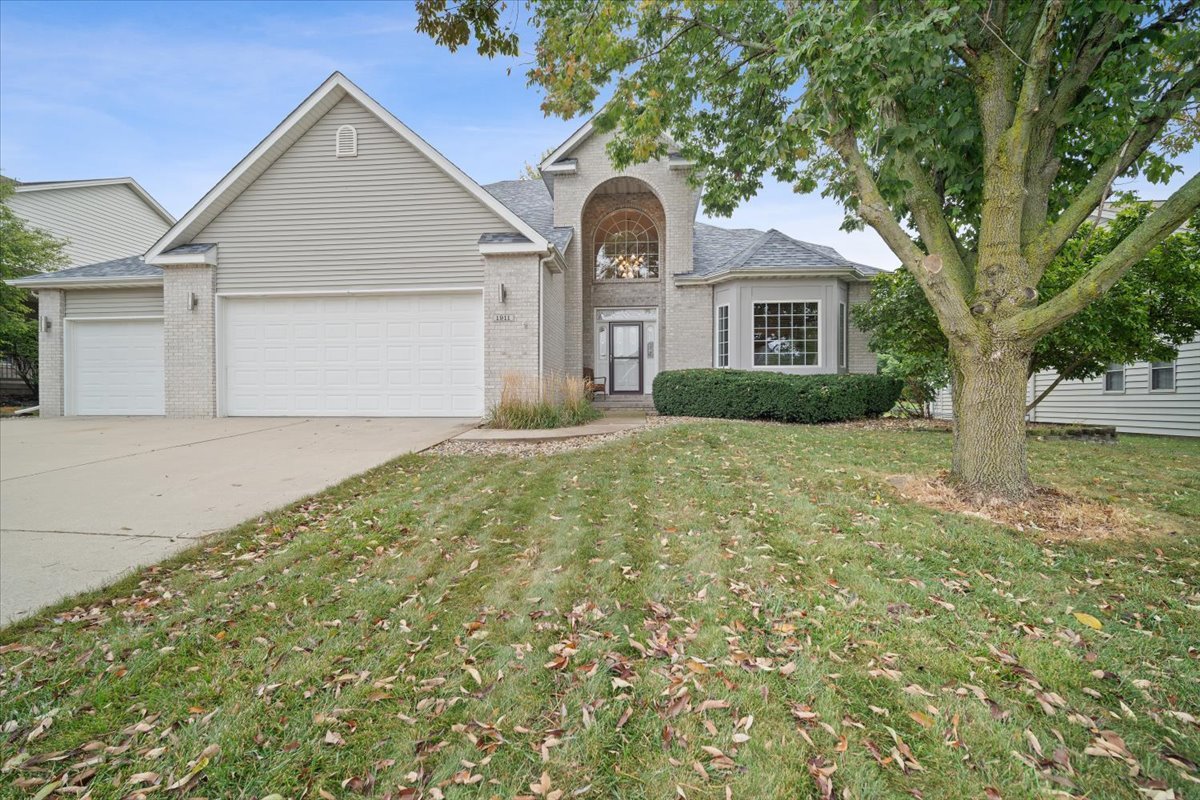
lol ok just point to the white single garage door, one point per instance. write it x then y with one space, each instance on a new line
418 355
114 366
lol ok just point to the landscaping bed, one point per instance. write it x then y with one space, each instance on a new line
701 610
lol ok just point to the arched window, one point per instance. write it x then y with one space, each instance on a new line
626 246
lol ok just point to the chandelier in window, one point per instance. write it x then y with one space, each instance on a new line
626 246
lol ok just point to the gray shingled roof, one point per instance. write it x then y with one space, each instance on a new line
128 267
530 201
717 251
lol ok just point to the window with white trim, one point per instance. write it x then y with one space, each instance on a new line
787 334
346 142
1114 378
626 246
1162 376
722 336
843 337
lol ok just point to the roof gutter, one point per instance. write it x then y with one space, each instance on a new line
743 274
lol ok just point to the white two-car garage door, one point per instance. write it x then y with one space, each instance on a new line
417 355
114 366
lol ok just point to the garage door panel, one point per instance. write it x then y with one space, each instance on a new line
115 367
371 355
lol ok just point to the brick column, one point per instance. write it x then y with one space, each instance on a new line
189 340
510 328
52 307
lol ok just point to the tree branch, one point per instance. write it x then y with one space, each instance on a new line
1034 323
926 206
945 297
1042 250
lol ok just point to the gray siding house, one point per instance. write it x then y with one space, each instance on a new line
1143 397
345 267
100 220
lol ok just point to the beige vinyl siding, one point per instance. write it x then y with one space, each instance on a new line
115 302
100 223
386 218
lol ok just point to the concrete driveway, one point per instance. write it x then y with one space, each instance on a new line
84 500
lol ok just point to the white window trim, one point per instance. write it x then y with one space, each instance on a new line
843 336
1174 376
1104 380
717 337
820 336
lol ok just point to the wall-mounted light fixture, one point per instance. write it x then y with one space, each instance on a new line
503 294
193 301
46 324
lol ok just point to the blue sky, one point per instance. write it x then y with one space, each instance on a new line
176 93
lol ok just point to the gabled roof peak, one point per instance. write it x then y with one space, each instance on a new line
331 91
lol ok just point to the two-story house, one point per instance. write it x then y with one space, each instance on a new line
345 267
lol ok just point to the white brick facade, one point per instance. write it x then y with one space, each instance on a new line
679 201
511 328
51 308
189 340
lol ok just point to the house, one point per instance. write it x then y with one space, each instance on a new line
345 267
99 220
1144 397
1161 398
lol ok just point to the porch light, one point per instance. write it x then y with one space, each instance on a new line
46 324
503 294
193 301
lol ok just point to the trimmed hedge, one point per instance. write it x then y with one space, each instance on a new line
738 394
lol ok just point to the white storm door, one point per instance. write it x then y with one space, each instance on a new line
418 355
114 367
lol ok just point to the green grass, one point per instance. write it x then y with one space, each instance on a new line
768 568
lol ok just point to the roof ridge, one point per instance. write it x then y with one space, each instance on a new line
743 255
814 248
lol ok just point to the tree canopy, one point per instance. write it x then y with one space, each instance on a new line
1146 316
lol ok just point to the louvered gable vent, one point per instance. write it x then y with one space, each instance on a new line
347 142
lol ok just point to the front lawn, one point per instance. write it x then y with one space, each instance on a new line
711 610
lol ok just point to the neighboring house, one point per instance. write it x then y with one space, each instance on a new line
345 267
99 220
1160 398
1157 398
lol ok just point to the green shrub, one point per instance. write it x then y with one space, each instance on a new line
737 394
527 403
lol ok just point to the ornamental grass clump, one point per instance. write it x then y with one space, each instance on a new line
526 403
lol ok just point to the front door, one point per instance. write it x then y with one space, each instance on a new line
625 357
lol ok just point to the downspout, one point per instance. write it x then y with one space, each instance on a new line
541 323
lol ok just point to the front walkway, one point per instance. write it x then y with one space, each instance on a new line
84 500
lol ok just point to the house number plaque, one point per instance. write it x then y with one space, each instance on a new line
505 318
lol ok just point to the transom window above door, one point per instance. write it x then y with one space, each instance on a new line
626 246
787 334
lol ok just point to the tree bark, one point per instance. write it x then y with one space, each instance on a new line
989 428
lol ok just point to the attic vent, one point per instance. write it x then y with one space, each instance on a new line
346 142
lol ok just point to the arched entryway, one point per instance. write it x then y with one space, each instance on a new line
624 269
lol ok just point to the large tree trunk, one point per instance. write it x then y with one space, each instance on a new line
989 422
